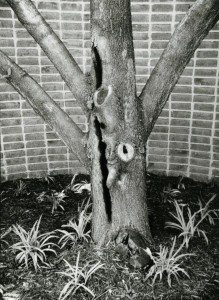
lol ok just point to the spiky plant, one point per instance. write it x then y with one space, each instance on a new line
167 262
57 199
78 277
32 246
77 230
189 225
21 188
80 187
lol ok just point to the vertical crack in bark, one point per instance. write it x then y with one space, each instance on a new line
104 169
97 66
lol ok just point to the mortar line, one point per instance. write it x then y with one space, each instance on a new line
213 124
191 117
20 98
149 65
169 100
40 82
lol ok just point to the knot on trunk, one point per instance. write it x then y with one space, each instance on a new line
125 152
107 108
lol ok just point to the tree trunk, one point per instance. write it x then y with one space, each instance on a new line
120 122
116 140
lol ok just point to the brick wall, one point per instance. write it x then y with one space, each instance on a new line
185 138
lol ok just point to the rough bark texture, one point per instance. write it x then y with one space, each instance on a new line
118 126
120 122
42 104
56 51
181 47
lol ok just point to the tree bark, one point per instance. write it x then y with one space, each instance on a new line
56 51
117 133
43 105
120 122
181 47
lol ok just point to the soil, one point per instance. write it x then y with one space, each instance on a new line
21 204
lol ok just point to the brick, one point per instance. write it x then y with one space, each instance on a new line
180 167
58 165
162 7
9 105
68 16
54 143
178 137
156 158
183 89
206 63
178 145
71 26
6 43
11 130
12 138
161 27
36 151
17 176
36 159
179 122
35 144
156 136
199 162
197 169
200 139
200 147
200 154
14 153
201 131
180 114
202 115
48 5
6 23
179 97
205 72
71 6
161 36
156 166
205 81
203 98
160 144
140 8
13 146
40 166
207 54
157 151
16 169
178 160
15 161
59 157
58 172
204 90
161 18
201 123
38 174
140 18
50 15
34 136
179 130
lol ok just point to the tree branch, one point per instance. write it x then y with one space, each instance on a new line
188 35
40 30
43 105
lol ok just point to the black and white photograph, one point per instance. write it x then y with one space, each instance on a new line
109 113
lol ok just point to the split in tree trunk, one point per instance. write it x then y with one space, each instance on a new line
120 122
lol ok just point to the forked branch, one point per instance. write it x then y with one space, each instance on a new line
188 35
43 105
56 51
